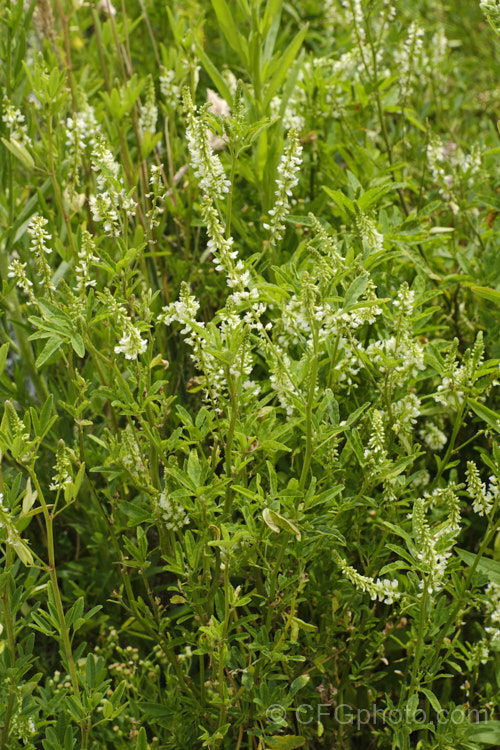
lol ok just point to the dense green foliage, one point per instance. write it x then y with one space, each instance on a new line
250 375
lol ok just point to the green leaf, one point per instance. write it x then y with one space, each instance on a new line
69 742
355 290
277 522
75 489
285 62
19 151
372 195
46 412
486 732
24 553
77 344
483 291
52 345
3 356
346 205
214 74
75 612
490 568
486 414
407 112
107 709
90 671
271 446
29 498
271 26
300 682
287 742
226 21
432 699
142 740
156 710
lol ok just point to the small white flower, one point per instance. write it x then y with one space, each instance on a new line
173 513
131 344
287 180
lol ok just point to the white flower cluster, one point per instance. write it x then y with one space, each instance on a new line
129 453
184 311
130 344
450 166
295 322
433 436
39 238
62 476
405 413
369 233
401 352
15 123
17 271
82 131
21 726
12 535
157 197
408 59
433 545
354 19
404 303
169 90
376 452
287 179
482 498
384 590
457 379
148 112
173 513
439 51
221 250
213 184
86 258
104 209
447 496
493 610
112 197
491 9
104 164
206 164
281 383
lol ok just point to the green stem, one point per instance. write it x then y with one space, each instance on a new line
229 205
8 619
434 653
63 628
274 578
309 409
420 640
229 445
223 708
57 190
146 624
451 445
